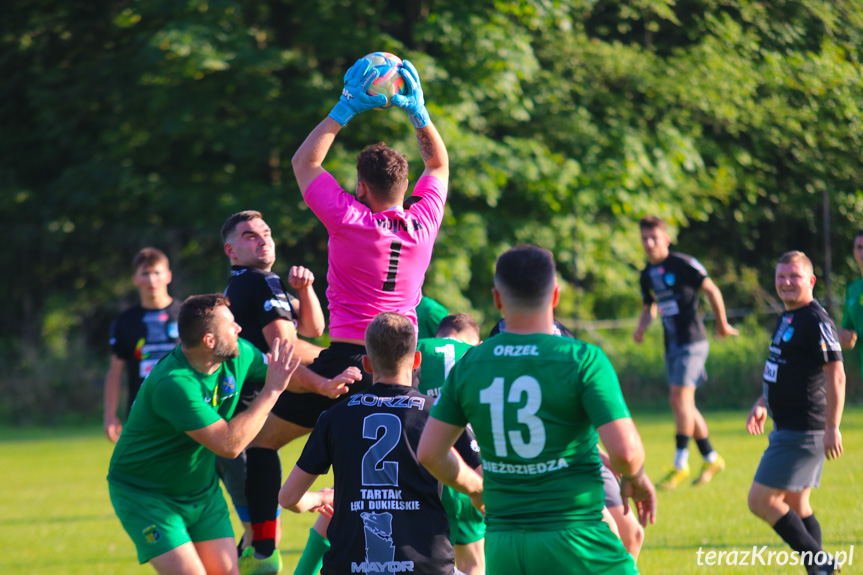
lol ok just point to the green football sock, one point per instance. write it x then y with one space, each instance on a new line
313 555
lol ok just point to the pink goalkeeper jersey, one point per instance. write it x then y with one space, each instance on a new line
377 262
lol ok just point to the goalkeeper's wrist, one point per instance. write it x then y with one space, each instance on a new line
420 119
342 113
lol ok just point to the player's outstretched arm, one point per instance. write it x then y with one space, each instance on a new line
757 417
113 383
295 495
835 371
648 312
717 304
310 156
229 438
436 454
626 453
310 320
431 144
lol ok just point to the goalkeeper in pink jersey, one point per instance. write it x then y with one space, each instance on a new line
378 253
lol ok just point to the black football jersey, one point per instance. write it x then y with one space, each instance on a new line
673 285
257 298
794 380
388 517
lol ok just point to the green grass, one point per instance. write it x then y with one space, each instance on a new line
57 519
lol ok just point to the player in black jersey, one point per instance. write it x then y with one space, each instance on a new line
670 284
386 510
804 393
141 335
266 311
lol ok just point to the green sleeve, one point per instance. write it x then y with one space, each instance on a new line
447 407
258 362
601 395
181 404
847 316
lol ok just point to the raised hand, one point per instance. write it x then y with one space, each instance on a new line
413 103
338 385
354 98
282 365
300 277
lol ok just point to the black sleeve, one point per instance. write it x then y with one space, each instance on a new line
316 458
646 293
272 301
467 447
824 340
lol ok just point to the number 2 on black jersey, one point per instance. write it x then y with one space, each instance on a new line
375 470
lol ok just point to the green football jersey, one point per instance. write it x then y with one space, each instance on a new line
439 356
852 318
154 452
429 315
534 402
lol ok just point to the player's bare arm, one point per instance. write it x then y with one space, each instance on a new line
847 338
230 438
757 417
626 454
835 371
296 497
113 383
717 304
310 316
309 157
435 452
283 329
648 312
434 153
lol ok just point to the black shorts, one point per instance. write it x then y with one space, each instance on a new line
303 409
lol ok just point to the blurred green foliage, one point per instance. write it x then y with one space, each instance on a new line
127 124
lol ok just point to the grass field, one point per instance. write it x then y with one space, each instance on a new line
55 516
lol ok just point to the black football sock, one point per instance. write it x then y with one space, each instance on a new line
813 527
263 481
681 441
704 446
790 527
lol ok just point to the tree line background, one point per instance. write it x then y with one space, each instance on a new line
133 123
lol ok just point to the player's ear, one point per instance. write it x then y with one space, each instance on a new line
209 340
367 364
555 295
497 303
229 250
418 359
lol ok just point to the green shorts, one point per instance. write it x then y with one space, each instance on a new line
158 524
466 523
588 548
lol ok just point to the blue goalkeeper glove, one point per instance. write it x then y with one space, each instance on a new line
413 103
354 98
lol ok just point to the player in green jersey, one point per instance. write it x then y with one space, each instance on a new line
456 333
162 477
538 405
852 318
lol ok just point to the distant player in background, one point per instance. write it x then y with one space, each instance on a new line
456 334
162 477
624 524
378 254
266 311
141 335
538 404
670 284
386 508
852 318
429 315
804 393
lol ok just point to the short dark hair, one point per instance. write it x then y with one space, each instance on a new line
652 223
524 276
231 223
858 234
794 257
383 170
390 342
149 257
198 316
456 323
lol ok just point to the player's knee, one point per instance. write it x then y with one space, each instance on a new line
633 539
758 502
